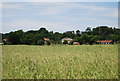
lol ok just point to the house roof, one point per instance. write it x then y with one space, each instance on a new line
5 39
46 39
104 41
76 43
68 39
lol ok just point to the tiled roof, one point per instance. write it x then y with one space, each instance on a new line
76 43
46 39
67 39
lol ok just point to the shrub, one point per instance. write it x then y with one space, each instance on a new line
40 42
48 43
71 43
65 42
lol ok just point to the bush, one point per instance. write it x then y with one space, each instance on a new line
71 43
40 42
48 43
65 42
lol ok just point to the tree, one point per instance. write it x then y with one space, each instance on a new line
115 38
40 42
37 37
88 29
28 38
48 43
0 37
85 38
56 38
69 34
89 36
65 42
13 38
78 33
43 31
71 42
19 33
102 30
116 31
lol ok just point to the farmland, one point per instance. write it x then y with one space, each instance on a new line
60 62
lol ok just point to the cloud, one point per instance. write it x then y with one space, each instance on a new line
60 8
52 11
0 5
84 20
113 13
31 24
11 6
56 26
60 0
36 15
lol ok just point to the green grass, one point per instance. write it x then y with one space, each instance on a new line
60 62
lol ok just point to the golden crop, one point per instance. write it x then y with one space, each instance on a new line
60 62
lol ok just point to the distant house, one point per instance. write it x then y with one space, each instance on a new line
67 39
104 41
46 40
76 43
5 40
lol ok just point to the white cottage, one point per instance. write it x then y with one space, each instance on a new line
67 39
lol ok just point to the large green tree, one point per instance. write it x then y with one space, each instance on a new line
89 36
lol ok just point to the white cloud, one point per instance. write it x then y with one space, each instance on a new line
14 5
60 0
0 5
56 26
32 24
84 20
52 11
113 13
66 23
58 8
64 7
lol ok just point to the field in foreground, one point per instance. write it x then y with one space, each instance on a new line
60 62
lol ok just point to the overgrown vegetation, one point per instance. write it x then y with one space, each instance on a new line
34 37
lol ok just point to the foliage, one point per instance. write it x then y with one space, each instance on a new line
90 36
71 42
40 42
65 42
78 33
48 43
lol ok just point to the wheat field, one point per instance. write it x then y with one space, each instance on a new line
60 62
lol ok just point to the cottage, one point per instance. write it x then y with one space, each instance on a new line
104 41
46 40
76 43
67 39
5 40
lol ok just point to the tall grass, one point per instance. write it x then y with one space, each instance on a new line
60 62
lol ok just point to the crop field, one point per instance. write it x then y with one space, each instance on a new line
60 62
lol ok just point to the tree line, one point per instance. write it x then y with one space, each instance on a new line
35 37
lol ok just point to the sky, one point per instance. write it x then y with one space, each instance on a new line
60 0
58 16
